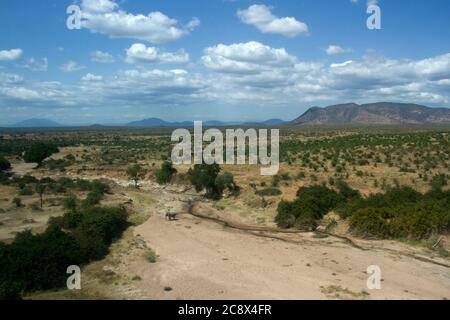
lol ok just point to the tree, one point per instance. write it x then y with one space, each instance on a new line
40 189
4 164
135 173
39 151
203 177
225 181
18 202
165 174
70 203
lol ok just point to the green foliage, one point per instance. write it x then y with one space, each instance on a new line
150 255
269 192
39 262
311 205
93 198
226 181
17 202
26 191
203 177
40 189
4 164
165 174
39 151
136 173
401 213
70 202
438 181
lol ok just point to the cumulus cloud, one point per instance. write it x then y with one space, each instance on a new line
102 57
250 57
35 65
91 77
262 18
98 6
245 74
71 66
10 78
10 55
140 53
105 17
335 49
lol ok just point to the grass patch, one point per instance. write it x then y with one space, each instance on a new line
150 255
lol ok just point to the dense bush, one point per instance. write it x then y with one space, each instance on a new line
39 262
401 213
4 164
269 192
311 205
39 151
165 174
203 177
225 181
93 198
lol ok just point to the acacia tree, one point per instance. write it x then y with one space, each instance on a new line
165 174
135 173
203 177
40 189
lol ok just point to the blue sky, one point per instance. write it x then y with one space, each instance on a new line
217 59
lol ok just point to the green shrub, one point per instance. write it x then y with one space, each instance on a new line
39 151
93 198
438 181
70 202
39 262
269 192
4 164
226 181
165 174
17 202
401 213
150 256
203 177
26 191
311 205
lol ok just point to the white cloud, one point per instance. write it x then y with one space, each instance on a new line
262 18
10 55
91 77
106 18
250 57
245 74
139 53
10 78
71 66
335 49
35 65
98 6
102 57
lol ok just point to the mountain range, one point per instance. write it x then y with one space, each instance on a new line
381 113
37 123
371 114
156 122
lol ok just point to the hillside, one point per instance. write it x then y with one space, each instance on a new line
381 113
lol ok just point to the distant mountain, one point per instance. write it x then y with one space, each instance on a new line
381 113
37 123
273 122
158 123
